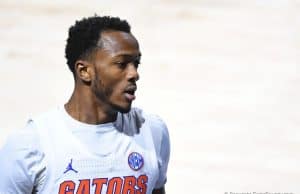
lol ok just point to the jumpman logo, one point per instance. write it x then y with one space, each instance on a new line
69 167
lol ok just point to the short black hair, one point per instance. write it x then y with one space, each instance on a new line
85 34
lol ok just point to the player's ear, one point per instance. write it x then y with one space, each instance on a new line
83 70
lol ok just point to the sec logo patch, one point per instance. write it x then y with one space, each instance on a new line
135 161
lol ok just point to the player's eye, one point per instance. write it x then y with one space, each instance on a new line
121 64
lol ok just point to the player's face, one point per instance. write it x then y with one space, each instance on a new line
116 73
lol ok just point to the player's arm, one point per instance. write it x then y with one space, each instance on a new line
159 191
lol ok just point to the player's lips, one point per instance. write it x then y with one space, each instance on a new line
129 92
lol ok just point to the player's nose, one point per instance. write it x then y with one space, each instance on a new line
132 73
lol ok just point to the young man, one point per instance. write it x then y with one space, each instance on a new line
95 143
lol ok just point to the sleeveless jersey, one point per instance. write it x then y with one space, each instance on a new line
86 159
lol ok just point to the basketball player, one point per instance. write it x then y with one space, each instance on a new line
95 143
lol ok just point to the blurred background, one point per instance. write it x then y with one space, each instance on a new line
224 75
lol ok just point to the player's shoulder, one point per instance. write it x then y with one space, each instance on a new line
47 115
161 140
25 138
21 147
155 122
21 159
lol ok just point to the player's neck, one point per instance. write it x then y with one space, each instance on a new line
83 107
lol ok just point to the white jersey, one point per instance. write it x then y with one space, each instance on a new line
58 154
